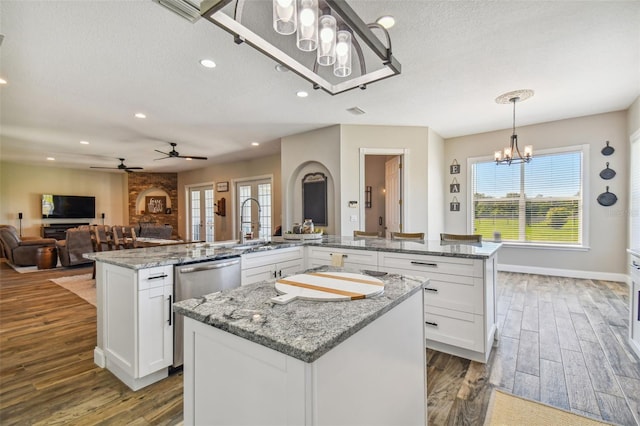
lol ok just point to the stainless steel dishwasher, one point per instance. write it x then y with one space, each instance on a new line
195 280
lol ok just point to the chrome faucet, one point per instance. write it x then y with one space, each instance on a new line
241 240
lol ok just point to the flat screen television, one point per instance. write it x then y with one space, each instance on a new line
68 207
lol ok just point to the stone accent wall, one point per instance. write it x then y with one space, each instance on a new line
139 183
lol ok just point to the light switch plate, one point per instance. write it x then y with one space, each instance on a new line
354 218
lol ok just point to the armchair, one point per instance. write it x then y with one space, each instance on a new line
76 243
19 251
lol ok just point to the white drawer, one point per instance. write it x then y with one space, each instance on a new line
431 264
155 277
460 293
270 257
459 329
355 258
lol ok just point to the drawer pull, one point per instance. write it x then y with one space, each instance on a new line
433 265
435 290
635 264
158 277
344 256
433 324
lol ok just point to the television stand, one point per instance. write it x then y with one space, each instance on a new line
58 230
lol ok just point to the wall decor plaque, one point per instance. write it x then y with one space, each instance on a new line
454 205
454 187
454 168
155 204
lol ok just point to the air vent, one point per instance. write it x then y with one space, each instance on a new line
189 10
355 111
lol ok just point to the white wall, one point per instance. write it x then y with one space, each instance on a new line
416 140
224 226
607 226
298 154
22 186
437 171
633 117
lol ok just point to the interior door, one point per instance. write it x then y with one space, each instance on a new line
254 202
201 213
393 195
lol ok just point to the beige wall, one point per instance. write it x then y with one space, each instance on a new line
607 226
633 117
22 186
230 172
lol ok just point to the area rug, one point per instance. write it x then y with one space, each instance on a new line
82 285
506 409
29 269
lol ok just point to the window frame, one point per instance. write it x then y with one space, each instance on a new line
586 197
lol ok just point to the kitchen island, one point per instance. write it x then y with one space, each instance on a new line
251 361
135 293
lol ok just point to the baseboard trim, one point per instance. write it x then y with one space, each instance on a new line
568 273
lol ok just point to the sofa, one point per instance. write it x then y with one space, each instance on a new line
147 230
19 251
76 243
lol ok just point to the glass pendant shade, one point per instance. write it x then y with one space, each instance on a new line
307 25
327 40
342 66
284 16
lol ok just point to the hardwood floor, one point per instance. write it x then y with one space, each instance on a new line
563 342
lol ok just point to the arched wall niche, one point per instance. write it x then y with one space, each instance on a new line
294 193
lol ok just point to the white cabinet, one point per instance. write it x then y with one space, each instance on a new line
135 322
459 300
375 377
634 324
270 264
354 259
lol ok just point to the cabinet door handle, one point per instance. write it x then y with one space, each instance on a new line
638 305
635 264
433 324
158 277
280 273
275 274
433 265
170 313
435 290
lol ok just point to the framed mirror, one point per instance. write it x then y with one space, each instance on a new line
314 198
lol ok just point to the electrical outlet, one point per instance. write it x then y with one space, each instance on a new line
354 218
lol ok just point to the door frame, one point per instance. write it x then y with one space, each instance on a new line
187 199
234 209
402 152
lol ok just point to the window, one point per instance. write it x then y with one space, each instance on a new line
254 221
540 202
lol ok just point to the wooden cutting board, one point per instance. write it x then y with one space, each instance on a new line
327 287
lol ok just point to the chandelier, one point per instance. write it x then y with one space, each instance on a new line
511 153
317 39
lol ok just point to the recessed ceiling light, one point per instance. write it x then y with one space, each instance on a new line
207 63
51 159
140 115
3 81
281 68
255 143
84 142
302 94
386 21
188 158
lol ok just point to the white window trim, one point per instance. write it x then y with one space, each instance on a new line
586 197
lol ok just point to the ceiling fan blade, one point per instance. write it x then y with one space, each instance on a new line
97 167
165 153
193 157
163 158
134 168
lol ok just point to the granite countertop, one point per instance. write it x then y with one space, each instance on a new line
199 252
302 329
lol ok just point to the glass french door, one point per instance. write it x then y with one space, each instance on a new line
254 200
201 213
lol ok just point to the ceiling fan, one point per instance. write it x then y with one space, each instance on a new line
120 166
175 154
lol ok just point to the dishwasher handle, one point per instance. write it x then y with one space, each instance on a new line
208 267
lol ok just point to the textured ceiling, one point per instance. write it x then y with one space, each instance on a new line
79 70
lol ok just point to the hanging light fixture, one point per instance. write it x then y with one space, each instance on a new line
511 154
336 37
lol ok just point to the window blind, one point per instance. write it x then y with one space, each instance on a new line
538 202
